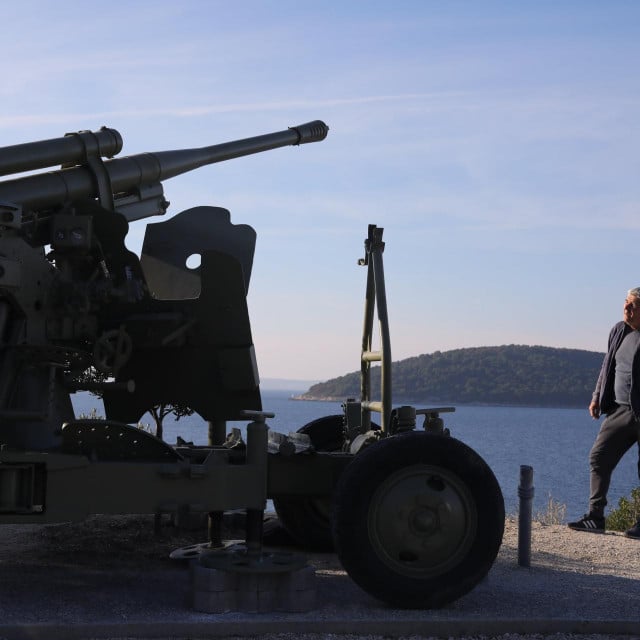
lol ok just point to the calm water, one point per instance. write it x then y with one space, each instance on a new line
555 442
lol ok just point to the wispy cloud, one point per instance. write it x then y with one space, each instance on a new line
18 119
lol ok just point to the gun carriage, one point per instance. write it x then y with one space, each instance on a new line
415 516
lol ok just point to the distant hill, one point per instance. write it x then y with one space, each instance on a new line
504 375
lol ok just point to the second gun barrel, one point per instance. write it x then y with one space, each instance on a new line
73 148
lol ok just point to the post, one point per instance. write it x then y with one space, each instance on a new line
525 493
257 445
217 432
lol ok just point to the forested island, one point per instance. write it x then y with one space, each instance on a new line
505 375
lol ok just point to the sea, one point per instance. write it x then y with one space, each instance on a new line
554 442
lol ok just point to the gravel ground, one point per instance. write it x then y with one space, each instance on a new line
111 577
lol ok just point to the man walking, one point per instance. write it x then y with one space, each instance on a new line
617 394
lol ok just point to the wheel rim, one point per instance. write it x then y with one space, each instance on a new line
422 520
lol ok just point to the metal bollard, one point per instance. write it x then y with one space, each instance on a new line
525 493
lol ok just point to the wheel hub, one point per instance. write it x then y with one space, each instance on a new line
422 520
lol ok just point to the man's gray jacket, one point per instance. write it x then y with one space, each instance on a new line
604 391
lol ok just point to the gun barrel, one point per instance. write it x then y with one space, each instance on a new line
173 163
71 149
55 188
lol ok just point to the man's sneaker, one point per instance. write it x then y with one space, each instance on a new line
588 523
634 532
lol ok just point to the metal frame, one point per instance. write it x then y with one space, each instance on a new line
375 299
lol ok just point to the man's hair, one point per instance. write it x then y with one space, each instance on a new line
635 292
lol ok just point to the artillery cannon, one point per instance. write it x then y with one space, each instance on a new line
416 517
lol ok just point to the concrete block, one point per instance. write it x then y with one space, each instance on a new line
217 590
215 601
247 600
205 579
268 601
247 582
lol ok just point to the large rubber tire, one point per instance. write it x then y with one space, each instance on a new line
306 519
326 433
418 519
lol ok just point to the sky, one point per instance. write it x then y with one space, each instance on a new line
497 144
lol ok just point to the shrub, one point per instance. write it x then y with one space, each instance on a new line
627 513
554 512
92 415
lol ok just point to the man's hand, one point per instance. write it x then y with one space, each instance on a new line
594 409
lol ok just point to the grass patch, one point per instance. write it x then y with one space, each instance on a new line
554 512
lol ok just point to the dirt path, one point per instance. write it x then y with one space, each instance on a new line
109 573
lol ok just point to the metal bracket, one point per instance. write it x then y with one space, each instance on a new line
93 161
10 215
433 423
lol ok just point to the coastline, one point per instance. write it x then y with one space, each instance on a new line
445 403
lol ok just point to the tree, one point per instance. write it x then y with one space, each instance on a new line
160 411
91 379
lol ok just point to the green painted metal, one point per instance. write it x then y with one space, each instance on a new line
375 300
422 521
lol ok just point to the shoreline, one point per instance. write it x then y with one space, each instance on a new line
439 403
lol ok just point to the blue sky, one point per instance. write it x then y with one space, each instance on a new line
496 142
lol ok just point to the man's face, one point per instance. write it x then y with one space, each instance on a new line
631 312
